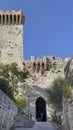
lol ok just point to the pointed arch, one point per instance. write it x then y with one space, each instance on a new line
41 109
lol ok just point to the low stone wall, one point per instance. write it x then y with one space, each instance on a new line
67 114
8 111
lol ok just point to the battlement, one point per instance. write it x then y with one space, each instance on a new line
40 65
11 17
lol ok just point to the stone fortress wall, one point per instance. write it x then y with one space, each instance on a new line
11 37
68 102
41 65
67 114
8 112
35 86
11 18
11 50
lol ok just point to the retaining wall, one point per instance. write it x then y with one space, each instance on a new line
8 112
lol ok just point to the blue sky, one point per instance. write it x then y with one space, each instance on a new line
48 28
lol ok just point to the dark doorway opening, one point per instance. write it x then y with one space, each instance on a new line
34 67
38 67
41 109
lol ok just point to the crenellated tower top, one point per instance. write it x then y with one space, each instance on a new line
11 17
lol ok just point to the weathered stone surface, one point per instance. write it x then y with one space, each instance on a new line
11 38
67 114
68 103
11 17
11 44
36 86
8 111
55 64
69 71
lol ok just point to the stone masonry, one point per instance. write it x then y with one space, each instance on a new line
67 114
36 85
11 37
68 102
8 111
42 73
40 65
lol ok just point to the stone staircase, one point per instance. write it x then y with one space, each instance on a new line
22 121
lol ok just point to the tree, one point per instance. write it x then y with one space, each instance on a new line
4 71
57 90
13 75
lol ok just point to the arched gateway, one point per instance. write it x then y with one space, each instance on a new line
41 109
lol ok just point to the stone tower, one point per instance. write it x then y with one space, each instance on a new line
11 37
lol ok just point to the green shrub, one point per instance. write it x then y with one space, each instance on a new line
20 102
57 90
12 73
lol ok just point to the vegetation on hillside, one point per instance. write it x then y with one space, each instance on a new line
20 102
57 90
12 73
10 76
